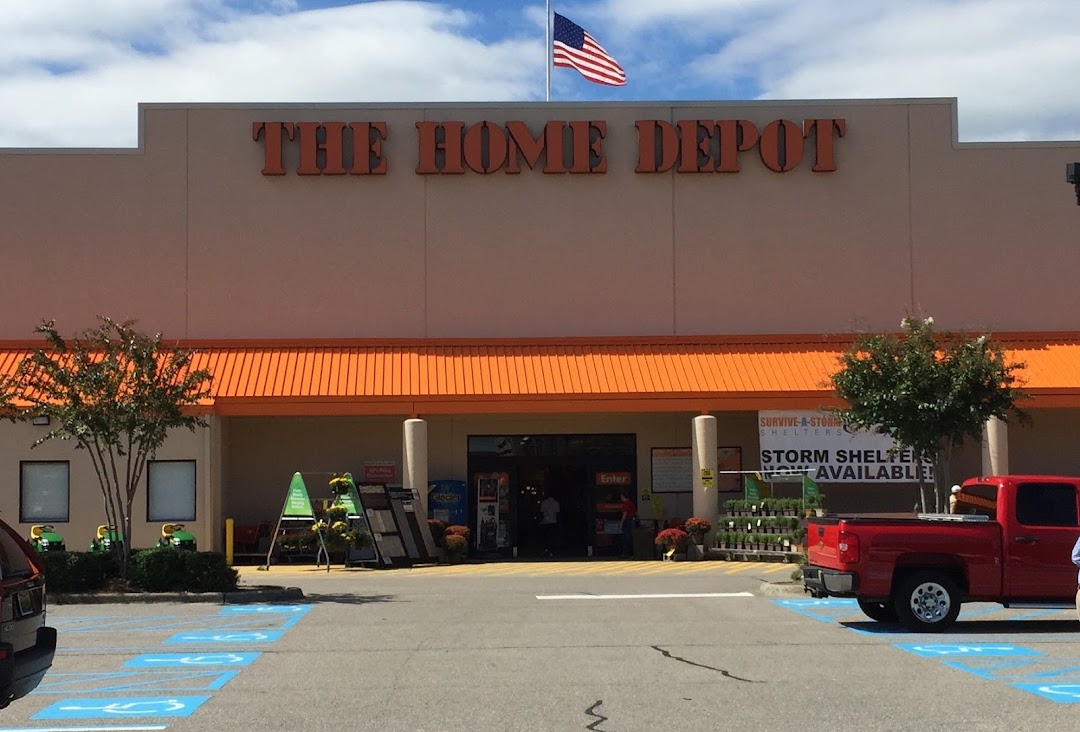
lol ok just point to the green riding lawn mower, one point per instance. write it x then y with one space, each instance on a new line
174 536
107 537
44 538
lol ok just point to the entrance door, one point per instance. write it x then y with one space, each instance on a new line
566 467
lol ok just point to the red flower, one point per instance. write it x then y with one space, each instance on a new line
697 525
671 538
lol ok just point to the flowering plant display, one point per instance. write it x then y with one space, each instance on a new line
458 530
697 527
438 531
339 485
455 545
669 539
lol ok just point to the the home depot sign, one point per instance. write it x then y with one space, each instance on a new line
454 148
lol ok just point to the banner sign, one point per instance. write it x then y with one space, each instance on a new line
815 443
753 488
298 503
448 501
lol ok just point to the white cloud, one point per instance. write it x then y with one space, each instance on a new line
391 51
72 72
1012 65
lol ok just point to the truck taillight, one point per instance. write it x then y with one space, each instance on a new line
848 547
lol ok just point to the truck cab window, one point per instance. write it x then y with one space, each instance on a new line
1046 504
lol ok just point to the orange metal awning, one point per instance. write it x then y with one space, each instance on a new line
558 375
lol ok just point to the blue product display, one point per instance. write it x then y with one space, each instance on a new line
448 501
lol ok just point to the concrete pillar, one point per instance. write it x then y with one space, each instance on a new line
414 460
995 447
706 503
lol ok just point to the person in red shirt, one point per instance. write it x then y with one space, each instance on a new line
627 524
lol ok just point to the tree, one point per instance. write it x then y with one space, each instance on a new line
116 393
928 391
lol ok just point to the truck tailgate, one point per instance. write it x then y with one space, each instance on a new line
822 537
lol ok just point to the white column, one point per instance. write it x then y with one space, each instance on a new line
706 504
414 460
995 447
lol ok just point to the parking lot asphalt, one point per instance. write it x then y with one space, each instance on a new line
547 646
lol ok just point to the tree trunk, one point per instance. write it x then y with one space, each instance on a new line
942 479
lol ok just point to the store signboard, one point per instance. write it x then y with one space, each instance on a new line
559 147
380 471
816 444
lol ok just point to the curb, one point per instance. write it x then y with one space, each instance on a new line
782 589
255 594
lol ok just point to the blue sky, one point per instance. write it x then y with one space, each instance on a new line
72 72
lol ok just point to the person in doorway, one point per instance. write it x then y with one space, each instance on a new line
549 524
1076 561
627 524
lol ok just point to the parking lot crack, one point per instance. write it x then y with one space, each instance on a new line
727 674
591 711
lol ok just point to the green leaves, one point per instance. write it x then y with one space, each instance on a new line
928 391
114 392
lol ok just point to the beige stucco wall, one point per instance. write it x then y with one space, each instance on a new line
265 452
253 458
186 235
86 504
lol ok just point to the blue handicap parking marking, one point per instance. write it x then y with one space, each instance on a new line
265 609
134 681
827 610
269 613
1060 693
1037 668
824 602
226 636
122 707
191 660
971 650
158 623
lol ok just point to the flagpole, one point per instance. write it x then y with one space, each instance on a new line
547 50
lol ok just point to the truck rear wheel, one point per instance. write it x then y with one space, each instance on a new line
883 612
927 602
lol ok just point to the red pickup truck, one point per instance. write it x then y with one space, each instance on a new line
1008 540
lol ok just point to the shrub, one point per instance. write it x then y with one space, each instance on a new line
78 571
671 538
207 572
157 570
170 570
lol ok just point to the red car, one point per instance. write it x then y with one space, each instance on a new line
27 645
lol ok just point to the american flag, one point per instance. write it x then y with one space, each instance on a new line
576 49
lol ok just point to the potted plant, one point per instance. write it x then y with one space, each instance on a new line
339 485
455 545
696 528
672 543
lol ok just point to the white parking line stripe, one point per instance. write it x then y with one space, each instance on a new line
660 596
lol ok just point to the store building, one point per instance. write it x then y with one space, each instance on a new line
529 298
